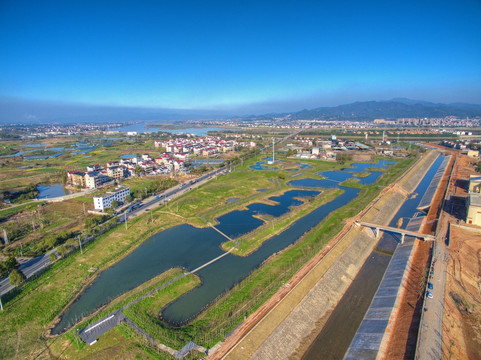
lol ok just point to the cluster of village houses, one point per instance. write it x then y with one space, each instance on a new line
173 159
463 146
177 152
312 148
201 146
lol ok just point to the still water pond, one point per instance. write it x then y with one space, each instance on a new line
50 191
191 247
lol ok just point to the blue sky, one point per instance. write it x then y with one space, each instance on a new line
257 55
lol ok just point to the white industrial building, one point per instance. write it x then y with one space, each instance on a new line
105 202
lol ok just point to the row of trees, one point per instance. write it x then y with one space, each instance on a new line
154 187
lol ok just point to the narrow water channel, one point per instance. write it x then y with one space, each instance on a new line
338 332
190 247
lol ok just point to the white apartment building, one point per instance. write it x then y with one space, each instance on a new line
105 202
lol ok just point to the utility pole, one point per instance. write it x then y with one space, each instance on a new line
1 306
5 238
80 244
125 220
84 208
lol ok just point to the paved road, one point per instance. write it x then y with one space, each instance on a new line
29 267
172 193
431 327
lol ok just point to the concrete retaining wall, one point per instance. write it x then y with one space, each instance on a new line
411 180
322 298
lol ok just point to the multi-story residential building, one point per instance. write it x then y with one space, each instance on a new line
147 166
105 202
117 172
94 179
76 178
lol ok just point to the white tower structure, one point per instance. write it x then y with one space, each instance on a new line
272 161
273 151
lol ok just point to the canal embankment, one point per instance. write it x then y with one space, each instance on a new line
308 303
407 328
389 328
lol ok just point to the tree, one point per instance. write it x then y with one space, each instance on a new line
11 263
71 243
115 204
138 170
128 198
342 157
62 251
16 277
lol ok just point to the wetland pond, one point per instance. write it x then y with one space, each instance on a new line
189 247
51 191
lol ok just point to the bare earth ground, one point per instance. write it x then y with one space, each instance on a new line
462 308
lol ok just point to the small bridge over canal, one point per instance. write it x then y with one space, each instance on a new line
403 232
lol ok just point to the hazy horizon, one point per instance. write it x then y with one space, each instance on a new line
236 58
24 111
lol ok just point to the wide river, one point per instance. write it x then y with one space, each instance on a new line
189 247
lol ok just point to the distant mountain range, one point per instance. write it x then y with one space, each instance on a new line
19 111
391 109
